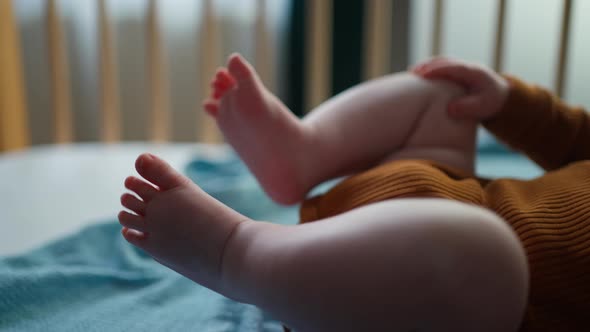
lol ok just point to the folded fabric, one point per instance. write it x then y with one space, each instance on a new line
229 180
95 281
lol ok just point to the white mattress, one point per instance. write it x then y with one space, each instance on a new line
51 191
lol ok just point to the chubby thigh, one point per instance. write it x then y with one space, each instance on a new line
403 264
436 135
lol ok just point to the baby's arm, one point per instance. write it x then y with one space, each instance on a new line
394 117
527 117
535 121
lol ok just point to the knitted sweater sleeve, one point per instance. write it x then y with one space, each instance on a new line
539 124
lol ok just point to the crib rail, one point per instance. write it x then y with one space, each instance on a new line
60 78
158 82
564 46
109 84
13 122
377 49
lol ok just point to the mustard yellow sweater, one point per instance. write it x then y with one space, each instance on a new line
550 214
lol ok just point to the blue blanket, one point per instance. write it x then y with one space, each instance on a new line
95 281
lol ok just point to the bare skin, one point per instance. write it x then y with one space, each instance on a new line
350 272
192 247
398 116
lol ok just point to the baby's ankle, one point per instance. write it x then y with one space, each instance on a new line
242 264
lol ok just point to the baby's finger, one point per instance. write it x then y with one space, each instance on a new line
460 74
417 67
425 62
430 63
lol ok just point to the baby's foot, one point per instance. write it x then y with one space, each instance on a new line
177 223
266 135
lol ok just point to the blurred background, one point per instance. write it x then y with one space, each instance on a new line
531 51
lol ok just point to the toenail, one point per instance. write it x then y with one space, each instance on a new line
148 157
141 160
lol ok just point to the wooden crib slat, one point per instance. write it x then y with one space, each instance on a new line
500 36
437 27
159 86
318 52
209 55
109 83
14 130
264 60
378 38
60 77
563 47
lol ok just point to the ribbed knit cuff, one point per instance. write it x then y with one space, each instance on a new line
518 110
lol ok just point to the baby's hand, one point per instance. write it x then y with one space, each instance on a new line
486 90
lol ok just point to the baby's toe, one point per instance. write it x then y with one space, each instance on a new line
159 172
224 78
211 106
132 221
143 189
240 69
221 85
134 237
133 203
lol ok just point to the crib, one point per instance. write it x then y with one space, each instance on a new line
379 50
56 185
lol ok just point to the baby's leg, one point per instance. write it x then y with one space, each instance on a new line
176 222
351 132
266 135
399 116
398 265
